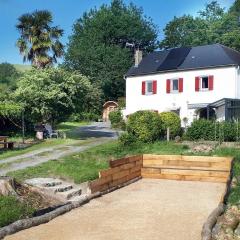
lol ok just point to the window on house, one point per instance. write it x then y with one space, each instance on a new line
204 83
149 87
174 85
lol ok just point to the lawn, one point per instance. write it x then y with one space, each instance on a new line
85 166
69 128
12 210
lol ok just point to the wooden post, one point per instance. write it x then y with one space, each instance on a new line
168 134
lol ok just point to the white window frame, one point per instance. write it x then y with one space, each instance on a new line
200 83
146 87
171 85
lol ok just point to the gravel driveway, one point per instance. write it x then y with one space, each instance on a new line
97 133
148 209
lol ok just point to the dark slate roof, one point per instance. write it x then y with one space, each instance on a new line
186 58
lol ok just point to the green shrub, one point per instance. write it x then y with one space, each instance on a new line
12 210
127 139
171 120
84 116
203 129
146 126
116 119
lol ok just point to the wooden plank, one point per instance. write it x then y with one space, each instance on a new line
184 177
186 158
195 173
121 174
121 161
221 165
184 172
111 171
100 181
135 169
99 188
186 166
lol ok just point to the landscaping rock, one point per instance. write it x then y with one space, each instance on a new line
203 148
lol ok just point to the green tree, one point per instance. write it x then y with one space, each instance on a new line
97 47
8 78
39 42
187 30
53 94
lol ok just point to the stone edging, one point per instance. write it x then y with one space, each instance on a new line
35 221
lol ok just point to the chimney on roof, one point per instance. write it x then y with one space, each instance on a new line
138 57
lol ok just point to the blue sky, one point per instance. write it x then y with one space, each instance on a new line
65 13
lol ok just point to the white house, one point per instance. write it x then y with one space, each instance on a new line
192 81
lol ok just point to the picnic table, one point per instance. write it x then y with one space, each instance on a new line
6 144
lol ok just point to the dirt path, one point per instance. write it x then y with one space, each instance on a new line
147 209
88 136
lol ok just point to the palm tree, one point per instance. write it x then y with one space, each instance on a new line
39 42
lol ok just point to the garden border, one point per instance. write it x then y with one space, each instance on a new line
217 212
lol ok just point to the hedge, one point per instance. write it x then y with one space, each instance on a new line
203 129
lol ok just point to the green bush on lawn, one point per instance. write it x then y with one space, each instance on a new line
12 210
203 129
145 126
172 121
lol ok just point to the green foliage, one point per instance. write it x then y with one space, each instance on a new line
212 25
116 119
97 47
13 210
128 139
8 78
53 94
203 129
39 42
10 109
146 126
171 120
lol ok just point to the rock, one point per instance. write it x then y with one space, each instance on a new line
7 186
230 219
237 233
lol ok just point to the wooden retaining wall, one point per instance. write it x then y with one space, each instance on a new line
120 171
191 168
175 167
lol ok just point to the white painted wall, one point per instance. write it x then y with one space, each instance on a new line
226 81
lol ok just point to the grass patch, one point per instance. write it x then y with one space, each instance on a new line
85 166
13 210
68 127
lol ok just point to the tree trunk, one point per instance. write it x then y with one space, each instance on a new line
7 186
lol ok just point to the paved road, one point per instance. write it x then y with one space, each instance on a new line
96 133
148 209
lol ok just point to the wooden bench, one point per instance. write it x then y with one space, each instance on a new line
9 145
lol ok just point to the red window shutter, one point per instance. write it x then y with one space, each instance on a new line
197 84
168 86
143 87
154 87
210 82
180 83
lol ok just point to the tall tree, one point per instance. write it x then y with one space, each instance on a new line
39 41
97 46
192 31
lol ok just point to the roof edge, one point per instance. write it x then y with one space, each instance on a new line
180 70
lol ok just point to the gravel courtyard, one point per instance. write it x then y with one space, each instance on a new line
148 209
